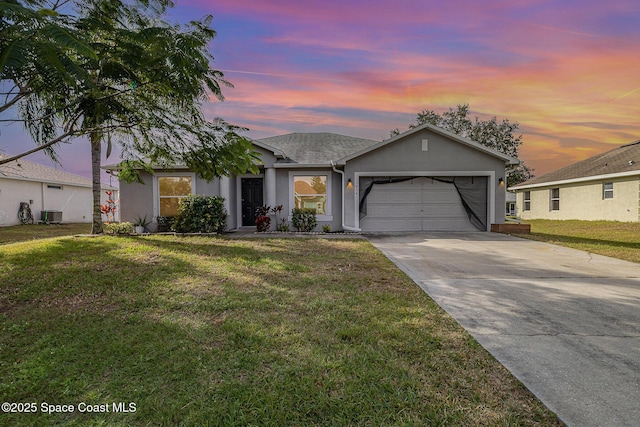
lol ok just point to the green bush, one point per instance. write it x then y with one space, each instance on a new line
165 223
114 228
283 226
201 214
304 219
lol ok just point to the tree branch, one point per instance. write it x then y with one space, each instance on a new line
35 150
21 94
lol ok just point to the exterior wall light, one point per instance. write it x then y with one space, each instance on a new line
349 184
501 182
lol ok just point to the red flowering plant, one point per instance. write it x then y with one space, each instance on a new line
263 222
276 210
110 207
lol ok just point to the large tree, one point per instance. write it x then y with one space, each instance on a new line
36 45
122 75
498 135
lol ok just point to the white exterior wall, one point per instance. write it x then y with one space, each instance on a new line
75 202
585 201
12 192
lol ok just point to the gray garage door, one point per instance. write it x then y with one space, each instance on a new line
420 204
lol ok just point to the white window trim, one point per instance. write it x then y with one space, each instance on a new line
553 199
328 216
525 200
605 190
156 189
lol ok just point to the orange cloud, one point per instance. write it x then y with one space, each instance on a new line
564 73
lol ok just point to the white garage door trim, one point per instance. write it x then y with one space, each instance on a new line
491 185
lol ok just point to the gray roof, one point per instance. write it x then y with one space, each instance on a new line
436 129
29 171
317 148
623 160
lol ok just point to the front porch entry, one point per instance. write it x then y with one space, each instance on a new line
252 194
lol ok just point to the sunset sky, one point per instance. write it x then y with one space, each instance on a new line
567 71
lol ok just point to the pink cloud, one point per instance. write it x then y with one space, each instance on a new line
564 70
352 12
549 95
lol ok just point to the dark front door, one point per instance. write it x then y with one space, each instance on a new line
251 199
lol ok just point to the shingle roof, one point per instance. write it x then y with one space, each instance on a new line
30 171
621 160
317 148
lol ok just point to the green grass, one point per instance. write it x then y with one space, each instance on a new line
212 331
19 233
615 239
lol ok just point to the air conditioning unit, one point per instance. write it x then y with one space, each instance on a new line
51 216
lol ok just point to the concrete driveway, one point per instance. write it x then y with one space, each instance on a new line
564 322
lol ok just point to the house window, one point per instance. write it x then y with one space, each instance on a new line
526 197
310 191
555 199
172 189
607 190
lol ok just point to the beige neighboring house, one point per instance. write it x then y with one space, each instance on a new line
510 205
46 189
603 187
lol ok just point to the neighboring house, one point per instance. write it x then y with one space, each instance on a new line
423 179
603 187
46 190
510 206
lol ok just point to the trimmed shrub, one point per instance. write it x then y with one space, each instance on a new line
304 219
283 226
201 214
165 223
113 228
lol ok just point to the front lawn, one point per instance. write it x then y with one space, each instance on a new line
610 238
19 233
212 331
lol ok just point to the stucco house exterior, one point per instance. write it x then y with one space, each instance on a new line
45 189
603 187
423 179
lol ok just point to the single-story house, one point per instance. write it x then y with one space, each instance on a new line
603 187
51 193
424 179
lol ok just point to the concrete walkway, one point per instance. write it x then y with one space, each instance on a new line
250 233
564 322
